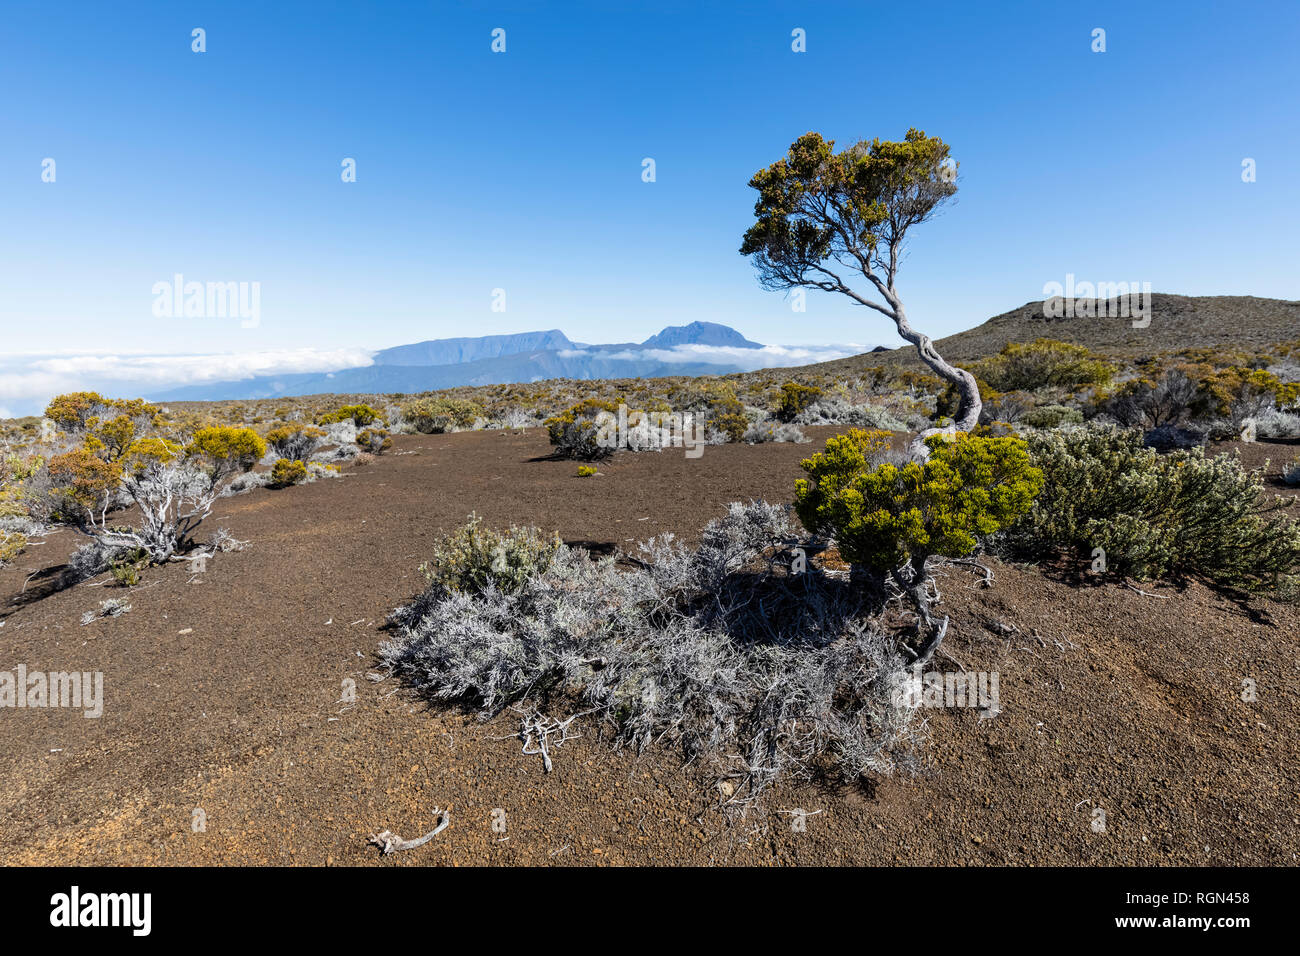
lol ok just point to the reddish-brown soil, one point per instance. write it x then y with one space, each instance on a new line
223 696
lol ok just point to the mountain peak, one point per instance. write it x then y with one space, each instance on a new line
699 333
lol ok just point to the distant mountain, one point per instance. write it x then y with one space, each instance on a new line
457 351
489 360
699 333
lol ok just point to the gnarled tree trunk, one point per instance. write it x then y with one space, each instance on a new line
968 411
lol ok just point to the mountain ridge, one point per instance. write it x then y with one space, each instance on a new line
485 360
1176 322
457 351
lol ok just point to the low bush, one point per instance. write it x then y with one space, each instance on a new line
1151 402
838 411
246 482
1051 416
1223 400
73 485
718 405
517 418
1155 515
754 672
359 415
106 427
112 607
342 435
12 544
1291 472
126 565
773 431
1277 424
474 558
793 398
1239 395
346 451
321 469
889 516
374 441
172 484
1007 407
576 432
295 442
433 416
586 471
286 472
1040 364
90 559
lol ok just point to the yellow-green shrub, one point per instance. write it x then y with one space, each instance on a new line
1238 394
883 514
433 416
286 472
1040 364
722 410
226 449
80 482
793 398
575 432
374 441
11 545
106 426
361 415
295 442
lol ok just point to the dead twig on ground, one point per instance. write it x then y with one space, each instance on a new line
1163 597
388 841
972 563
535 724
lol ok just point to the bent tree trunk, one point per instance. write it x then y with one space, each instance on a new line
968 411
913 579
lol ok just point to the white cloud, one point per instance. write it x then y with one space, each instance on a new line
32 380
29 381
769 356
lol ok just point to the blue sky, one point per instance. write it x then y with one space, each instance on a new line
522 170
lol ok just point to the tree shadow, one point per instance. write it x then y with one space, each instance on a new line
774 607
1075 571
594 549
42 584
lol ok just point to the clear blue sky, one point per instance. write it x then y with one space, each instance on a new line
523 170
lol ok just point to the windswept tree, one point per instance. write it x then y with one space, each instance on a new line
822 215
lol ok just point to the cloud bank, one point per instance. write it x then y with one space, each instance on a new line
769 356
28 382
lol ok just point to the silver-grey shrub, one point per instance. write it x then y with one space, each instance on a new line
774 431
246 482
92 558
837 411
1291 472
752 671
1277 424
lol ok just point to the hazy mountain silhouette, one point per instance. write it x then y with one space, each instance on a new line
488 360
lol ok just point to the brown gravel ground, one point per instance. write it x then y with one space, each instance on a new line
223 695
